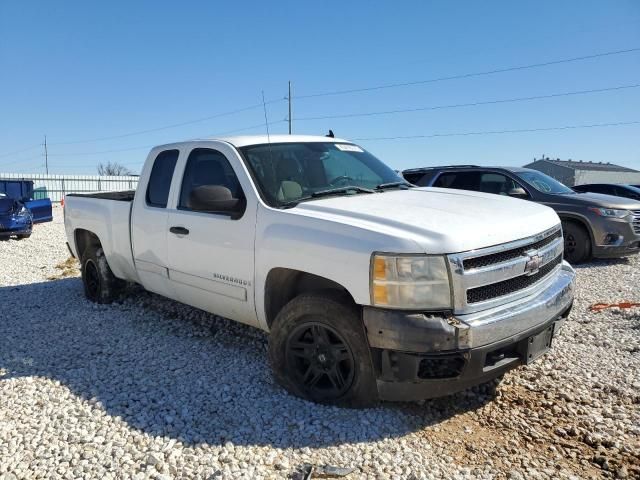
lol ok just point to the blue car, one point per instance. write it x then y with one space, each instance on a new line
15 219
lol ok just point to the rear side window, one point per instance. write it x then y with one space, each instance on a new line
160 178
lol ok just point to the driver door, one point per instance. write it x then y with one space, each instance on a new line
211 254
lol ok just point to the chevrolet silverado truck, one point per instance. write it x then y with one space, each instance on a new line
370 288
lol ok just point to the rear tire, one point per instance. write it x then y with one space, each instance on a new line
577 243
318 351
100 284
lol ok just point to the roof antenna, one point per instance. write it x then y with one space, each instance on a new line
266 123
330 134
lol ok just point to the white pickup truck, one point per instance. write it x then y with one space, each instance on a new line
370 288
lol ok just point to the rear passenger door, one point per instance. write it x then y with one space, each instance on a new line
149 224
211 254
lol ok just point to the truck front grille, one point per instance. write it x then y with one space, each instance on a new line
636 221
486 260
500 289
489 277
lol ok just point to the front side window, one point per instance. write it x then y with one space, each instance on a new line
544 183
459 180
160 178
209 184
497 183
287 172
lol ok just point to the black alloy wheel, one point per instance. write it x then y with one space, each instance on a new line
92 280
322 360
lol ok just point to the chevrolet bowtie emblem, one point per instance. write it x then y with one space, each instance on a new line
534 262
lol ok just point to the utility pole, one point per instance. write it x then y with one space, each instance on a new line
46 156
289 107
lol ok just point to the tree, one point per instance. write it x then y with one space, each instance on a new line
113 169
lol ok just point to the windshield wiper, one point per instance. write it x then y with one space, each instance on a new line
326 193
384 186
333 191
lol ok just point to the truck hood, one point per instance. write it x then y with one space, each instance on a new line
597 200
439 220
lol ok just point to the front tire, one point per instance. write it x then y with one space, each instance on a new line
318 351
100 284
577 243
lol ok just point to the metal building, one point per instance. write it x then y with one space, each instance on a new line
572 172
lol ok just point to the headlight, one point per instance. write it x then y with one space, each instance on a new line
610 212
410 282
23 212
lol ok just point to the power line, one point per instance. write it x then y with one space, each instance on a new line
472 104
497 132
175 125
151 146
20 151
23 160
465 75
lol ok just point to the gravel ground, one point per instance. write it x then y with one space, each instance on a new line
149 388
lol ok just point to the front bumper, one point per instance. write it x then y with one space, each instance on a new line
614 237
419 356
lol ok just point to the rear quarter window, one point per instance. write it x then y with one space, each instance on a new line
160 178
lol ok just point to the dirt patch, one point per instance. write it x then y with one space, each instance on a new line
541 432
69 268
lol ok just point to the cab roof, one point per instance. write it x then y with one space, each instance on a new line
246 140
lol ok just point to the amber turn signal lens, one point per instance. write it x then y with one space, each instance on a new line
380 296
379 268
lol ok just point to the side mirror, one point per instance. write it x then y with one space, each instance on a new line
518 192
215 199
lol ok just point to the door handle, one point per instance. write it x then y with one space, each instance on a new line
179 230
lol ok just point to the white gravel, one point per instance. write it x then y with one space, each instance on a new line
149 388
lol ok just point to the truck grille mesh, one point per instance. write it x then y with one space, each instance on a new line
487 260
636 221
499 289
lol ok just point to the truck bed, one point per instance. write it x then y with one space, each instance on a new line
107 216
124 196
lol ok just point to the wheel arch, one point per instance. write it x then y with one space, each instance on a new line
85 239
578 219
284 284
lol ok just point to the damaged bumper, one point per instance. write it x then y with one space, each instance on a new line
14 226
418 356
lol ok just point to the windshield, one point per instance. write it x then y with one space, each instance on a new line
544 183
289 172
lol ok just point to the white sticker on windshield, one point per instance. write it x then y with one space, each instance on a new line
346 147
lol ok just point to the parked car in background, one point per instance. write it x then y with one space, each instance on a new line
594 225
369 287
22 191
627 191
15 219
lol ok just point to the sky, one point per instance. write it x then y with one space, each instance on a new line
80 71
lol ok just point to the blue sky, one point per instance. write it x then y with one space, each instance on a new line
78 70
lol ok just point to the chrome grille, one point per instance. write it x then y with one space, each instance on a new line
490 277
500 289
486 260
636 221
